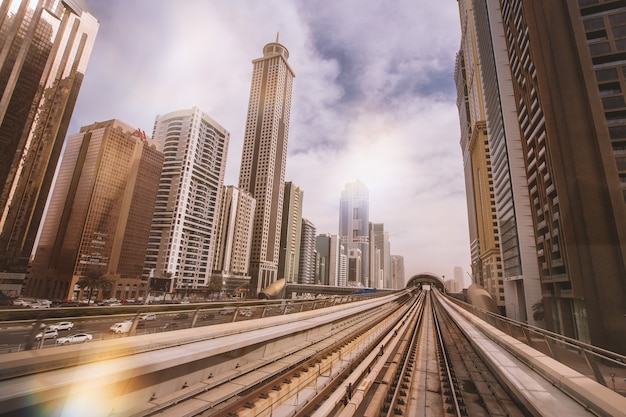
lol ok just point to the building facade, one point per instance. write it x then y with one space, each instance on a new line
486 256
328 250
397 272
381 264
264 158
354 231
184 224
99 214
308 254
290 233
233 238
45 47
570 157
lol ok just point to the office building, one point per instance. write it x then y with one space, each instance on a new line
233 238
183 234
328 250
290 233
354 231
264 158
397 272
486 256
380 263
566 93
45 46
99 213
306 268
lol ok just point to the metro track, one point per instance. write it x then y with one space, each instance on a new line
383 375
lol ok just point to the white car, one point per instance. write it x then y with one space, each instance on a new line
34 304
74 338
63 325
47 334
149 316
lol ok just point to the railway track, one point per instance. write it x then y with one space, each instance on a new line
417 363
258 389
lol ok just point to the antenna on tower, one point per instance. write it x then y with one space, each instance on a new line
277 37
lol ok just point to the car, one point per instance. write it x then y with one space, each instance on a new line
206 317
19 302
115 304
122 327
35 304
246 312
148 316
74 338
181 316
44 303
62 325
170 326
47 334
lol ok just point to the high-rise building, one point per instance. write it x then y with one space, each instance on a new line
264 158
306 271
45 46
354 231
182 237
328 250
233 238
572 144
99 213
290 233
380 264
397 272
342 279
484 232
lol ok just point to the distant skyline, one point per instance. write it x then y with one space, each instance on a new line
374 100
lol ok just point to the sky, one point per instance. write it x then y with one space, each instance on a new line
373 99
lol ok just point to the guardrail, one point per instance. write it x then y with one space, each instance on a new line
200 314
599 364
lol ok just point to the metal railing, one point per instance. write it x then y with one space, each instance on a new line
604 366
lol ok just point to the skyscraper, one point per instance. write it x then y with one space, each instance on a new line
569 157
182 237
354 231
99 213
290 233
328 250
397 271
264 158
44 48
381 265
233 239
306 267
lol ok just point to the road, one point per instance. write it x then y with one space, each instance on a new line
15 337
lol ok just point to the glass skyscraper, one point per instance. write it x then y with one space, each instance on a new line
100 212
44 49
354 219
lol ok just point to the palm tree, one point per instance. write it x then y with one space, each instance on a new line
538 311
94 279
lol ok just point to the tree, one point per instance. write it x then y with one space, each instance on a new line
94 279
215 285
538 311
